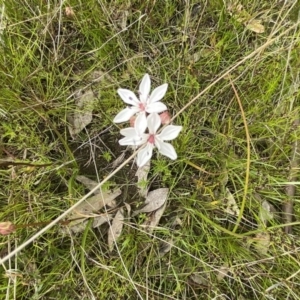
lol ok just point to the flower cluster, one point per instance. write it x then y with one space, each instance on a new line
143 113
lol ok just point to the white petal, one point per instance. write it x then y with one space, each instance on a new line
126 141
130 131
157 107
158 93
125 114
166 149
132 140
144 155
144 88
169 133
140 123
128 97
153 121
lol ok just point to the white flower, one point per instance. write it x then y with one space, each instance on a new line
136 136
145 104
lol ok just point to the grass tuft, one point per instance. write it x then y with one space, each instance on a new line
216 248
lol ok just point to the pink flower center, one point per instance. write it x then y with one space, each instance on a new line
142 106
151 139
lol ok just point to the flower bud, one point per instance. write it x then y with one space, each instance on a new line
165 118
7 228
132 121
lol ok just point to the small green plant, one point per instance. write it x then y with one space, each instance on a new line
107 156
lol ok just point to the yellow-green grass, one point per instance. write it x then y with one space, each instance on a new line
46 56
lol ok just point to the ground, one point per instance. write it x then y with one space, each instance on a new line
230 226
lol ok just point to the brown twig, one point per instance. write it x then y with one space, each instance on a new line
291 188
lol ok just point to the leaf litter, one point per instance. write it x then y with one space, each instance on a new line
266 212
91 206
166 246
152 221
88 183
84 112
155 199
199 280
155 204
237 10
262 240
115 229
231 206
142 175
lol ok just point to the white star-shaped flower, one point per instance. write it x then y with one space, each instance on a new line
147 103
136 136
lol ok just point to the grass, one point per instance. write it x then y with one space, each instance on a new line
217 252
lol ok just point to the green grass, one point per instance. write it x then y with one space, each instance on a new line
45 57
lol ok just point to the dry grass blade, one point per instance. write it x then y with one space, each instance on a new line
291 188
3 25
96 202
115 229
248 139
154 201
88 183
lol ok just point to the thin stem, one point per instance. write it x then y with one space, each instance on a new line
39 233
240 216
